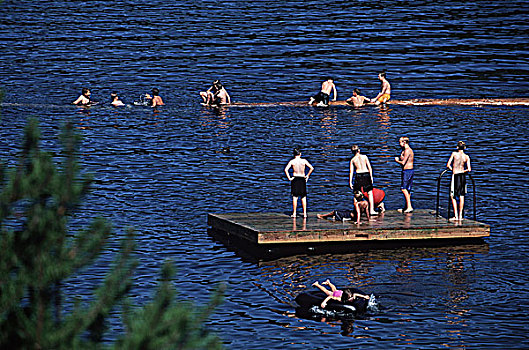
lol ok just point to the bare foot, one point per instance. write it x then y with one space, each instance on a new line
454 219
409 210
305 216
326 282
315 284
400 210
320 216
373 213
293 215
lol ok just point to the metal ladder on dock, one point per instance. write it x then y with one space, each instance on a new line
450 200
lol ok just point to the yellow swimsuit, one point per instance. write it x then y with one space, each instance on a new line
384 98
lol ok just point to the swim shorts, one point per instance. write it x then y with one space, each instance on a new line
458 187
298 187
384 98
321 97
342 215
337 293
406 179
363 182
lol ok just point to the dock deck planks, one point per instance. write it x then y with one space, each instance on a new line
279 228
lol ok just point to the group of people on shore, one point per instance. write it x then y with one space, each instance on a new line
84 99
361 182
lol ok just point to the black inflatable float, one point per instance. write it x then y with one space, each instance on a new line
310 305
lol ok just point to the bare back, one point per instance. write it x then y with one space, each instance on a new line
459 160
298 165
360 163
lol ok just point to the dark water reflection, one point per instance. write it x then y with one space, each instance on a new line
162 172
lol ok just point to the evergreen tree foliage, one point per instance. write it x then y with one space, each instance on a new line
38 256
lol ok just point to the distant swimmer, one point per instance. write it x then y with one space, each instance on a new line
298 182
155 99
322 97
115 101
357 100
458 188
84 99
406 161
385 92
216 95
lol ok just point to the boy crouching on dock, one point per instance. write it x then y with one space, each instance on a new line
298 182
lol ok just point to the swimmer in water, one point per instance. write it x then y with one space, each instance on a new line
115 101
155 99
208 96
357 100
84 99
221 96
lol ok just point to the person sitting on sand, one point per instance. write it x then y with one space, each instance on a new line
361 205
84 99
357 100
322 97
336 294
155 99
115 101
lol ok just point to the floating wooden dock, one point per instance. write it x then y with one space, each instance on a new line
523 101
279 228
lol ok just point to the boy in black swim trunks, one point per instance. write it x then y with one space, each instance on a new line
298 182
458 187
363 180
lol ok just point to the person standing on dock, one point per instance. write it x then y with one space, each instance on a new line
385 92
322 97
406 161
363 180
298 182
458 187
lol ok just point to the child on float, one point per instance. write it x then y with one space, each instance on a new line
345 296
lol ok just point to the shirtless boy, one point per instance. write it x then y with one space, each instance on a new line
156 99
84 99
406 161
364 176
115 101
361 206
322 97
208 95
298 182
457 163
221 96
357 100
385 92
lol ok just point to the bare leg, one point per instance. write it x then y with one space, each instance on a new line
454 204
294 206
407 196
325 216
322 288
332 286
382 207
371 203
204 96
461 205
304 205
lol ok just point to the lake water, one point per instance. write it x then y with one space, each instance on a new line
162 172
